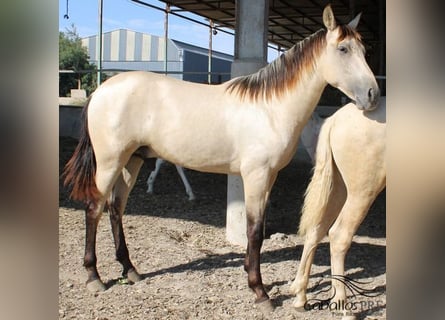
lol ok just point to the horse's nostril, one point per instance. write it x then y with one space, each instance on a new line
370 93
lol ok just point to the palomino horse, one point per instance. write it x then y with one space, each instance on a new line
152 177
349 173
309 137
248 126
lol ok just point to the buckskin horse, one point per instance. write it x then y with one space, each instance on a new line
248 126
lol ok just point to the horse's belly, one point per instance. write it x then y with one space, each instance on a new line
202 150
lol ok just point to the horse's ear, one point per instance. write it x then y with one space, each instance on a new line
328 18
354 22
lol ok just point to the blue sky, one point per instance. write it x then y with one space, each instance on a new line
125 14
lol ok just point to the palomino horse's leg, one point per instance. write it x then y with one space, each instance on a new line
340 236
257 185
188 188
117 204
151 179
93 213
313 237
105 178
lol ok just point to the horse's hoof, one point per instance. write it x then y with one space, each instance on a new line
300 309
133 276
299 305
265 306
95 286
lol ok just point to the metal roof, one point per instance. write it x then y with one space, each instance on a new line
293 20
204 51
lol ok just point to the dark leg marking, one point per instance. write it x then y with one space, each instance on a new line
255 240
91 221
122 254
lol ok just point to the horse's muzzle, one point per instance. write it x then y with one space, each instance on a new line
368 101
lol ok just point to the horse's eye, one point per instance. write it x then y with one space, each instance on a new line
343 49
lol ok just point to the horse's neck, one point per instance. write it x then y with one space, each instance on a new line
299 103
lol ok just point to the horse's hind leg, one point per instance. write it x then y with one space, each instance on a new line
105 178
299 285
313 237
152 177
93 213
188 188
340 236
117 204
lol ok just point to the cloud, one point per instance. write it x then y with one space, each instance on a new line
112 23
145 25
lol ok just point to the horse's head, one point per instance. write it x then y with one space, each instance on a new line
344 65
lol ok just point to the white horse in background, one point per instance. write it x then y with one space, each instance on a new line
349 173
309 135
152 177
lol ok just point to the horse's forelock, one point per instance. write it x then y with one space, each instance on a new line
346 31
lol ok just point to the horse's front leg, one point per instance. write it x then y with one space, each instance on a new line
255 241
257 187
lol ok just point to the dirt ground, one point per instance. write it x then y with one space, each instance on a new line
190 271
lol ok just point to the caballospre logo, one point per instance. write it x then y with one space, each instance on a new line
357 288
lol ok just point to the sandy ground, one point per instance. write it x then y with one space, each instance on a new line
190 271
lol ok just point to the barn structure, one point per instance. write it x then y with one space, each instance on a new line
125 50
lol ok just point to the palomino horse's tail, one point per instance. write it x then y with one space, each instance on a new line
317 194
80 171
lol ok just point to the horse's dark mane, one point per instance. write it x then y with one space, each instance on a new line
281 73
285 71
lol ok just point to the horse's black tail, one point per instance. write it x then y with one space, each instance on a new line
79 173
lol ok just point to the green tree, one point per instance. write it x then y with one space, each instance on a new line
73 56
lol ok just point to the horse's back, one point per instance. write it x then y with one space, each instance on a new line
359 146
182 122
